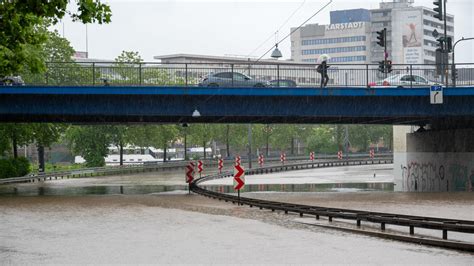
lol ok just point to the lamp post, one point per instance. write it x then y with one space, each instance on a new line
250 145
453 65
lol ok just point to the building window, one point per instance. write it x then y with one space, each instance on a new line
345 59
333 50
333 40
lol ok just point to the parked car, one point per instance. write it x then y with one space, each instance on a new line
229 79
11 81
282 83
404 80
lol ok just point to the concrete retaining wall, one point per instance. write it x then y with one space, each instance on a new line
434 161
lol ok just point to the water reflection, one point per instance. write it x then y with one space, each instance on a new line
335 187
148 189
88 190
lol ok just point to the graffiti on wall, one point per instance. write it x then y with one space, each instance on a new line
429 176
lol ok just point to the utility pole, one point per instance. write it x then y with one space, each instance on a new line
445 66
250 145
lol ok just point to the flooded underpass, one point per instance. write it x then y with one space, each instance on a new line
162 223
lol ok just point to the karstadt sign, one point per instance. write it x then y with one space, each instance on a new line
344 26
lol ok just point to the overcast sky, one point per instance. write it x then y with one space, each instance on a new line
224 27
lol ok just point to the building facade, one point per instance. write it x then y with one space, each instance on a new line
346 42
351 38
409 32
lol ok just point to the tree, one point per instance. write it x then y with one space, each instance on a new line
91 142
201 134
141 136
321 139
21 29
45 135
127 68
163 136
17 135
119 136
233 135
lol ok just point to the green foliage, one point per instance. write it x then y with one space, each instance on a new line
142 135
22 31
321 140
14 167
45 134
60 69
201 135
20 134
361 136
91 142
22 166
7 169
235 136
128 57
126 69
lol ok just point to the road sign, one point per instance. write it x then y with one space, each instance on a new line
190 172
339 155
200 166
283 158
237 160
220 165
372 153
261 160
239 177
436 94
311 156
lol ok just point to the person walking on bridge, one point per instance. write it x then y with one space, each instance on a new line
323 69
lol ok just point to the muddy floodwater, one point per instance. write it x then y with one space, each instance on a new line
171 226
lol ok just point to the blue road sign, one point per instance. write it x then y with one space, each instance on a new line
436 88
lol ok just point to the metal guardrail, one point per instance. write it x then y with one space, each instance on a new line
191 74
99 171
411 221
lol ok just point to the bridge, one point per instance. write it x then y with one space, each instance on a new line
171 92
438 157
176 104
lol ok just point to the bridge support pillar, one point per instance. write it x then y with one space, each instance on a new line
433 160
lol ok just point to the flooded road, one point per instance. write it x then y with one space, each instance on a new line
174 227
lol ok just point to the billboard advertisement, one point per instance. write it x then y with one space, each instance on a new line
412 36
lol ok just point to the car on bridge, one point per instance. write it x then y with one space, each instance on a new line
231 79
404 80
282 83
12 81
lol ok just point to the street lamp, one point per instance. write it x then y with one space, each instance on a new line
453 66
276 53
196 113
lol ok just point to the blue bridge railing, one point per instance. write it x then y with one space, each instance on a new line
247 74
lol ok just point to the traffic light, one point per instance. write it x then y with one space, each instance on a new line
441 41
382 66
389 66
381 37
438 9
449 44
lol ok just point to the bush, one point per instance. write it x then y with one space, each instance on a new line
22 166
14 167
7 169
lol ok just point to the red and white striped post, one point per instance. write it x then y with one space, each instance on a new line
237 160
261 160
220 165
189 175
282 158
339 155
371 153
311 156
200 167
